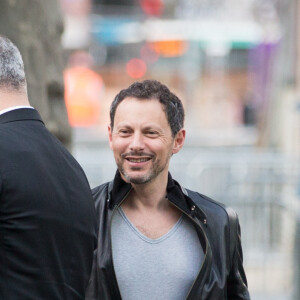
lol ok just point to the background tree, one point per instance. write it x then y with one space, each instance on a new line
35 26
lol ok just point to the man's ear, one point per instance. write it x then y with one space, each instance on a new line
179 141
110 136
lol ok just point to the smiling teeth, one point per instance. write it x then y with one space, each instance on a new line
137 160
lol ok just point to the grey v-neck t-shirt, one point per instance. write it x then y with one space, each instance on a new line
155 269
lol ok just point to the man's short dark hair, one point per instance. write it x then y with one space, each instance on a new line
153 89
12 74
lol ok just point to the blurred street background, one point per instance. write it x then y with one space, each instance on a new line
236 66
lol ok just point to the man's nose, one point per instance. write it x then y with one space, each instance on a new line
137 142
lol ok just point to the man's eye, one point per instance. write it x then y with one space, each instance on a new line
124 132
152 133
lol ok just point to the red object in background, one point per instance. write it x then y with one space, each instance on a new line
83 91
136 68
152 7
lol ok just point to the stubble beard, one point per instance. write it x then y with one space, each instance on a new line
154 171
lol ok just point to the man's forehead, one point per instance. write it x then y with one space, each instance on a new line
134 101
146 111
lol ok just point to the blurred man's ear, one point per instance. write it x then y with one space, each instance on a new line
179 141
110 136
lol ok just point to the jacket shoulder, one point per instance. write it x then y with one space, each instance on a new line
219 213
208 204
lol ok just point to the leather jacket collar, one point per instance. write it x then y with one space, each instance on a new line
118 189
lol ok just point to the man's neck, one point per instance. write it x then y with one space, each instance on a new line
149 210
10 99
151 195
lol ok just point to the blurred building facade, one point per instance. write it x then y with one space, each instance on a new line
215 54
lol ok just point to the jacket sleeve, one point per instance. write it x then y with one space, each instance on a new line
237 283
98 287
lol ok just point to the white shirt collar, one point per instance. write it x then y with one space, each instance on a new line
14 107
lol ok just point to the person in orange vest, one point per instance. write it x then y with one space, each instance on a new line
83 91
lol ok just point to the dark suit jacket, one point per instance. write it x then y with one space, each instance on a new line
47 216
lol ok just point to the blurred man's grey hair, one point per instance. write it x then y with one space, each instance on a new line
12 74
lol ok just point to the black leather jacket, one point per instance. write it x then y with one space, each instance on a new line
221 275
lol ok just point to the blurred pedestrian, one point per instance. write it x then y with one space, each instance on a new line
84 89
156 239
47 215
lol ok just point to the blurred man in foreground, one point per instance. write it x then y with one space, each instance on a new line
157 240
47 215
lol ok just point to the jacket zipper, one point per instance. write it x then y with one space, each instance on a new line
205 254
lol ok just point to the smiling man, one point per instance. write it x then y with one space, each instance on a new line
157 240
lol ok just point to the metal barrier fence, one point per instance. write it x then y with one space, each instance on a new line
260 186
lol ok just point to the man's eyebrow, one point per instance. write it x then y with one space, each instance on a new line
151 126
155 128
